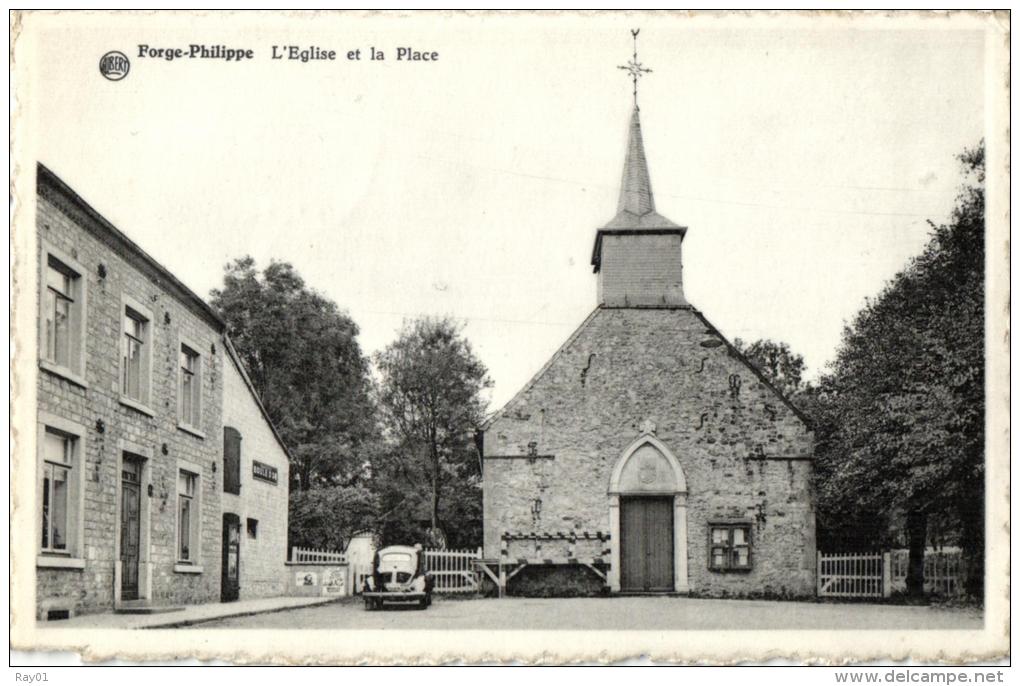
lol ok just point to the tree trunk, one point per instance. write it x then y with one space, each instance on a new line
972 519
917 533
435 496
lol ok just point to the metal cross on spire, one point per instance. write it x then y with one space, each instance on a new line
634 68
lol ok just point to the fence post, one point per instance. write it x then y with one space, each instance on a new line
886 574
818 575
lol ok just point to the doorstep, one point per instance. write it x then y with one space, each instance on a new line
144 607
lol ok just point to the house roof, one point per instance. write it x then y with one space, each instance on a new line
53 188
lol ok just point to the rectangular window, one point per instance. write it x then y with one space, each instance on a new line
58 460
62 330
729 547
59 302
187 517
190 387
253 528
133 367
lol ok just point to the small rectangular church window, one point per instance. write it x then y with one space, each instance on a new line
729 547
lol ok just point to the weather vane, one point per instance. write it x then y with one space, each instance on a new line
634 67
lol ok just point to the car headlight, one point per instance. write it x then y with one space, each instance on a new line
418 584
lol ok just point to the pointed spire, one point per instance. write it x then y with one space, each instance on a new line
636 186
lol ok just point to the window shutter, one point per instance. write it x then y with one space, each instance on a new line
231 460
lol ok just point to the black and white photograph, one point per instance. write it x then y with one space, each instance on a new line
542 337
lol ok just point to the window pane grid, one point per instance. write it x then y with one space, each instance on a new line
189 386
730 547
59 302
186 484
131 355
57 454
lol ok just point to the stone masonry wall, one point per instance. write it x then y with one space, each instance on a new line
92 588
263 557
745 454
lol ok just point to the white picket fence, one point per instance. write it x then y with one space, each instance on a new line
454 571
316 555
877 575
943 571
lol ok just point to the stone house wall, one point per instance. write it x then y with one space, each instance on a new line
111 272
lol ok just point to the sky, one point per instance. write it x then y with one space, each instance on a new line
805 156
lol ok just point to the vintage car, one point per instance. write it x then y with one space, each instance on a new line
398 576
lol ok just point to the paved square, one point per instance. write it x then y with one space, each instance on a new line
634 613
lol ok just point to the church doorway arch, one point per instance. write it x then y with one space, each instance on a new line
648 519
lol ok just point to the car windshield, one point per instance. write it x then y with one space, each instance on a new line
396 559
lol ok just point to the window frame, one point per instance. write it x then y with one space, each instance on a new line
71 555
51 257
191 425
730 547
193 563
134 309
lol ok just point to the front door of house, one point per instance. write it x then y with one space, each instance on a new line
130 531
646 544
230 581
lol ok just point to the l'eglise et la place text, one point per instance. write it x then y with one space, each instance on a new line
306 54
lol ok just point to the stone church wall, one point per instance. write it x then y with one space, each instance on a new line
746 454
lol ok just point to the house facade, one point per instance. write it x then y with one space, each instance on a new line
648 451
255 488
133 372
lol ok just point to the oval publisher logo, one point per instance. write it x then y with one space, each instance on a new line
114 65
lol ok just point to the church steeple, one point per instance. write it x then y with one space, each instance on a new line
637 253
636 187
636 207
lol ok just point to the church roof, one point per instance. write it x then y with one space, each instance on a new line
636 207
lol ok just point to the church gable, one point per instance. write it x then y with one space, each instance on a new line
667 365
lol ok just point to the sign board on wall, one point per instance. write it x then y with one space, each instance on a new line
264 472
334 581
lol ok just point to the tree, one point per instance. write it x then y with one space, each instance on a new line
781 366
901 422
304 361
328 516
431 398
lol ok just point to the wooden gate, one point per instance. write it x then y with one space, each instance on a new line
646 544
853 575
454 571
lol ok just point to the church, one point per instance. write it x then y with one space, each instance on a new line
647 455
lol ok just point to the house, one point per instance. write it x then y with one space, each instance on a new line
141 410
648 453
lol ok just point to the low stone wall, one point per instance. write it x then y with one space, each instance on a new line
309 579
